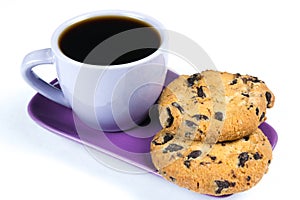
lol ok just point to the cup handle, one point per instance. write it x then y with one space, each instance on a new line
33 59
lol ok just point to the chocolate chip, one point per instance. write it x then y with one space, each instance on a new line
191 80
245 95
194 154
200 92
172 147
269 162
188 135
248 178
219 116
213 158
199 117
257 111
262 116
255 80
268 98
233 82
205 163
156 143
257 156
190 123
246 138
220 162
178 107
187 163
223 184
233 174
237 75
170 119
243 158
251 106
198 185
166 139
172 179
252 79
179 155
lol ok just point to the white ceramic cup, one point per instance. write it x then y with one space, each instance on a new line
105 97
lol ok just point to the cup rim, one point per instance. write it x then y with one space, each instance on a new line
132 14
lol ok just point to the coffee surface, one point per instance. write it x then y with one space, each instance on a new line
109 40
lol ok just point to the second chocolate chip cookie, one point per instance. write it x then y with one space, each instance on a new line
214 105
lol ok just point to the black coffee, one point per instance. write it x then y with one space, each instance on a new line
109 40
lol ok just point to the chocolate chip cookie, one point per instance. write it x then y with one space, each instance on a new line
214 106
228 168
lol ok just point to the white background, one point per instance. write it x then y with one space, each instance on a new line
256 37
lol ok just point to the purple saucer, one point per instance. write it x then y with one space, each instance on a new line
122 145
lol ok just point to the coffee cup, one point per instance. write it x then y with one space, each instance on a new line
110 66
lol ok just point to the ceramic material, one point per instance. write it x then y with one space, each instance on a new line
109 98
128 146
